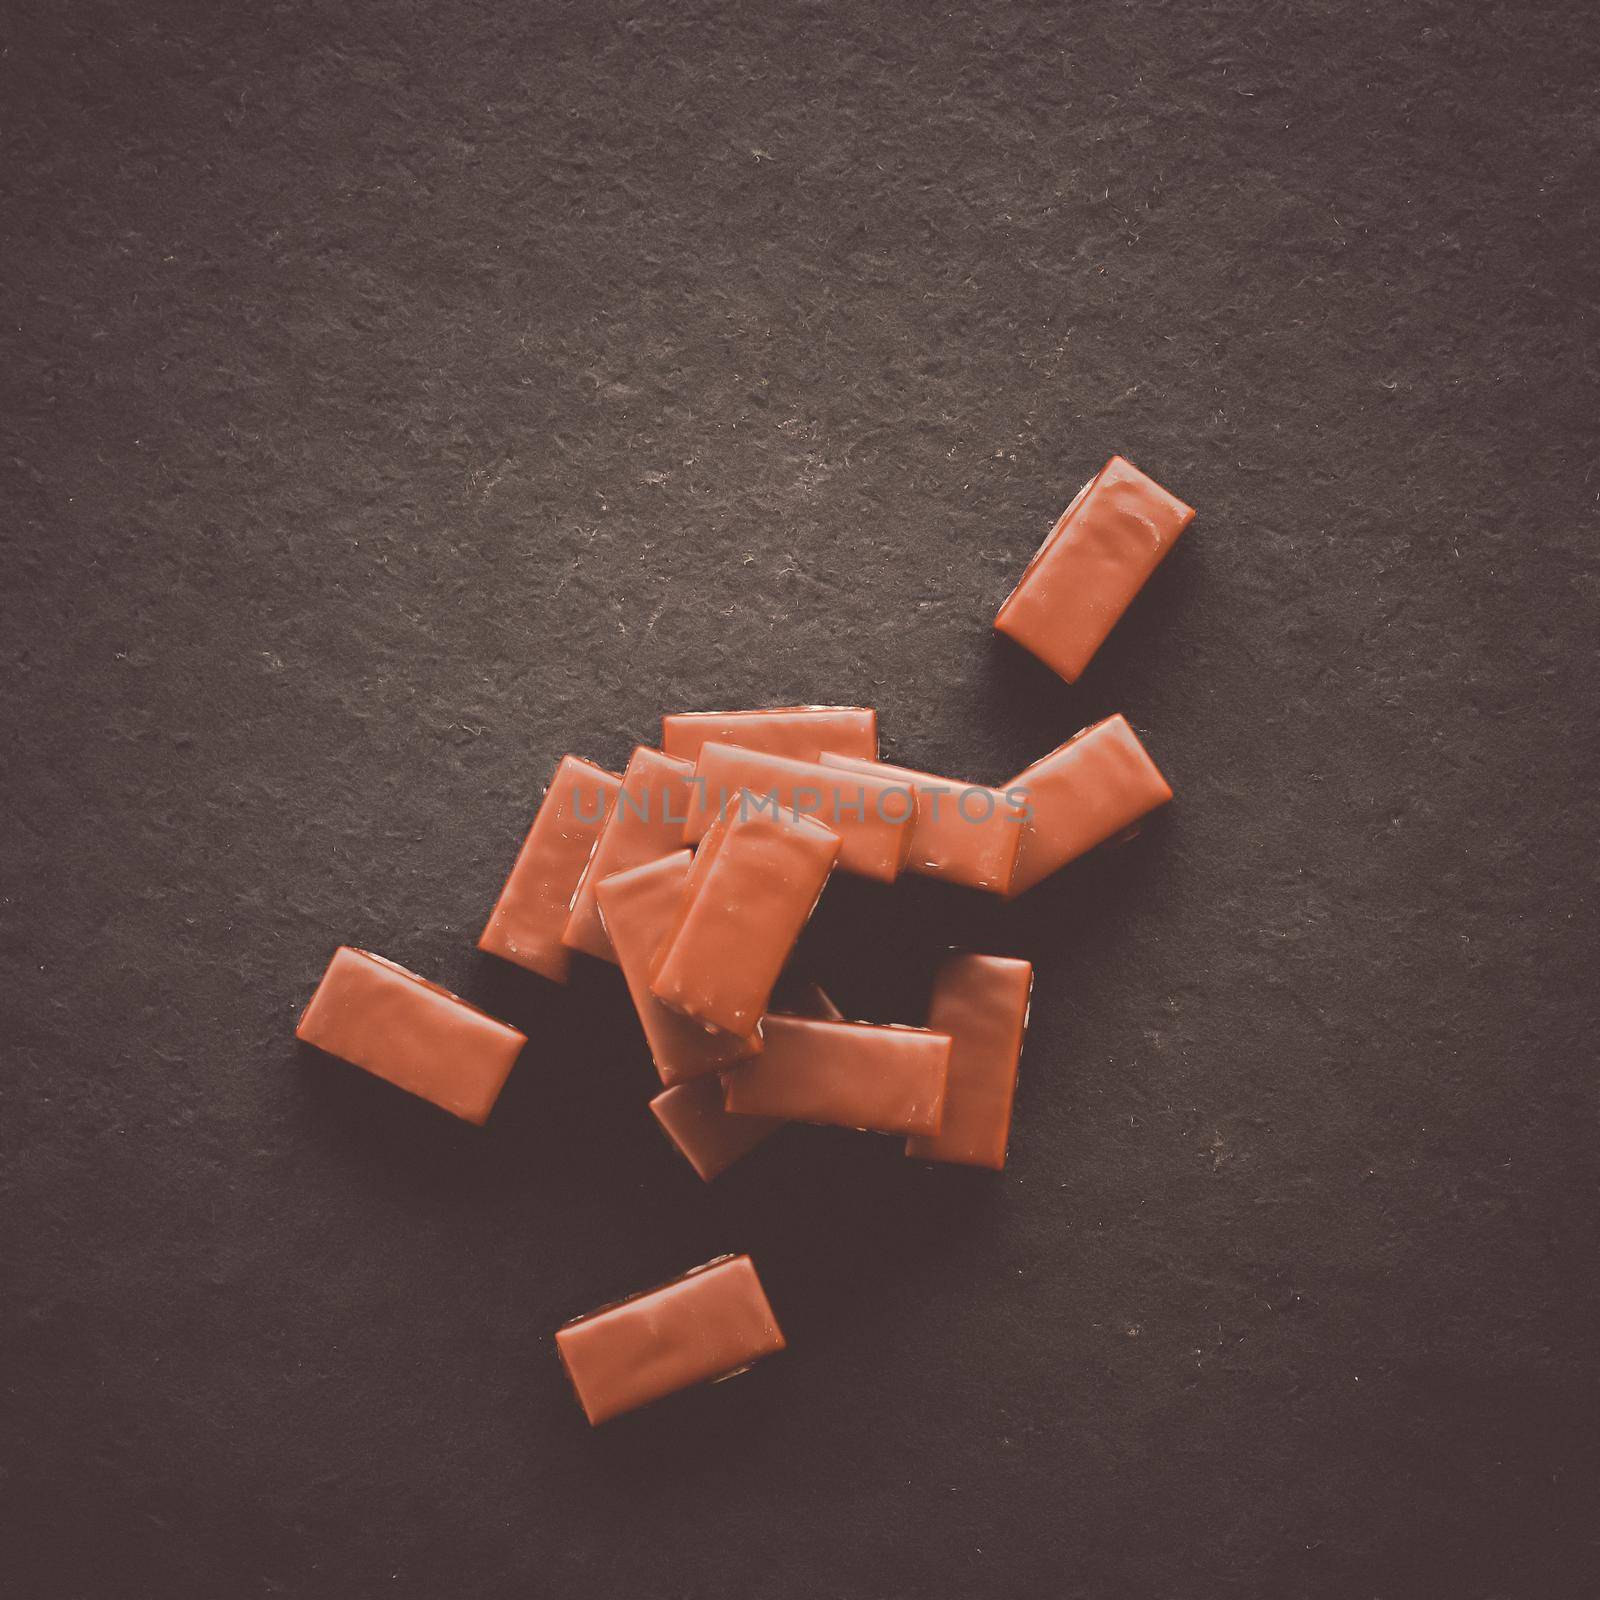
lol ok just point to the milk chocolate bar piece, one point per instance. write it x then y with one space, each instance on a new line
1096 559
645 824
802 732
853 1074
531 914
754 883
963 833
982 1003
639 907
709 1137
871 814
1095 786
398 1026
703 1327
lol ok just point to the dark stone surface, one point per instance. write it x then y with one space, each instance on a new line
396 397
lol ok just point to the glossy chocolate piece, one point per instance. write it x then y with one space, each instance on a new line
646 824
871 814
640 907
1095 786
1096 559
982 1003
710 1137
707 1325
754 884
531 914
962 832
851 1074
801 732
390 1022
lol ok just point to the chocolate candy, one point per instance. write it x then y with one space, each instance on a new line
802 732
398 1026
531 914
1095 786
705 1326
708 1136
1096 559
853 1074
754 884
639 908
982 1003
871 814
645 824
961 832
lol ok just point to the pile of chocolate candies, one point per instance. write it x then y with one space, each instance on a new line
695 872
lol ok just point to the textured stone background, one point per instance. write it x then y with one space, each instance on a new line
395 397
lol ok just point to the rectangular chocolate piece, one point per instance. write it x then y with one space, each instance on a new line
531 914
852 1074
754 884
1095 786
396 1025
646 824
962 832
640 907
702 1327
1096 559
708 1136
982 1003
871 814
802 732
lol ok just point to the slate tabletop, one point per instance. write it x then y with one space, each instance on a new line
396 397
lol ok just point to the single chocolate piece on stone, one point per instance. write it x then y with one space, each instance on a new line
399 1026
1096 559
1092 788
705 1326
